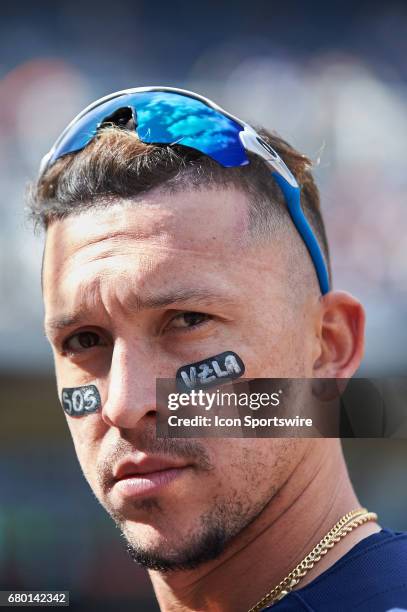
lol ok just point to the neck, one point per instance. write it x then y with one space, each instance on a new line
312 500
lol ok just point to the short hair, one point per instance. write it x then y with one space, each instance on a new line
116 164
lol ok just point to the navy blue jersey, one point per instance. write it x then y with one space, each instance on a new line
371 577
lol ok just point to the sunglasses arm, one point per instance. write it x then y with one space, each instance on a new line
292 197
286 181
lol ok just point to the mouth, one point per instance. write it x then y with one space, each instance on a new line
134 479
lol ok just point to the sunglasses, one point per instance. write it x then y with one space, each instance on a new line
170 116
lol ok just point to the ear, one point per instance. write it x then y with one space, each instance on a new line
341 327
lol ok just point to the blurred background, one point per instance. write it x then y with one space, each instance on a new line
329 77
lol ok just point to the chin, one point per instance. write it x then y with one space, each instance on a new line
162 552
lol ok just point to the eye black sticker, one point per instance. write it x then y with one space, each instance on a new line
210 372
80 401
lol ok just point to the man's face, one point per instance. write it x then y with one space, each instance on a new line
132 292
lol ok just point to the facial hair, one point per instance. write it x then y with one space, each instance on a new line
227 517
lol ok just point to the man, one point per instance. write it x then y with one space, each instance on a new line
174 233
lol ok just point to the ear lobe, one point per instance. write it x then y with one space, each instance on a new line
341 336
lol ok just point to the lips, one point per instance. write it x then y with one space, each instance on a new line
144 466
139 476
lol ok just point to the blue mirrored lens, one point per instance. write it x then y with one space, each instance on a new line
175 118
165 118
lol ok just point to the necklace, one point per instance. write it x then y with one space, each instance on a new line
345 525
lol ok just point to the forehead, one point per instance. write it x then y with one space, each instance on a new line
150 237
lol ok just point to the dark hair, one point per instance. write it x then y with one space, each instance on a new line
117 164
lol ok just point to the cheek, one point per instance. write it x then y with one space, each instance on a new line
280 349
86 434
255 468
87 430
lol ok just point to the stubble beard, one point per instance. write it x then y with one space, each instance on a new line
206 541
182 548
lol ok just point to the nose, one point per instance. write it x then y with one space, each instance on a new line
131 388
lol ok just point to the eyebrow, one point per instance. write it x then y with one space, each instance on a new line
149 302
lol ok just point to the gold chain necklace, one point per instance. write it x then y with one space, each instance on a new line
345 525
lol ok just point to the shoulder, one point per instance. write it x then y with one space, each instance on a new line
371 577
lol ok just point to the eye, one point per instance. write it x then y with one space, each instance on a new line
83 341
186 320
